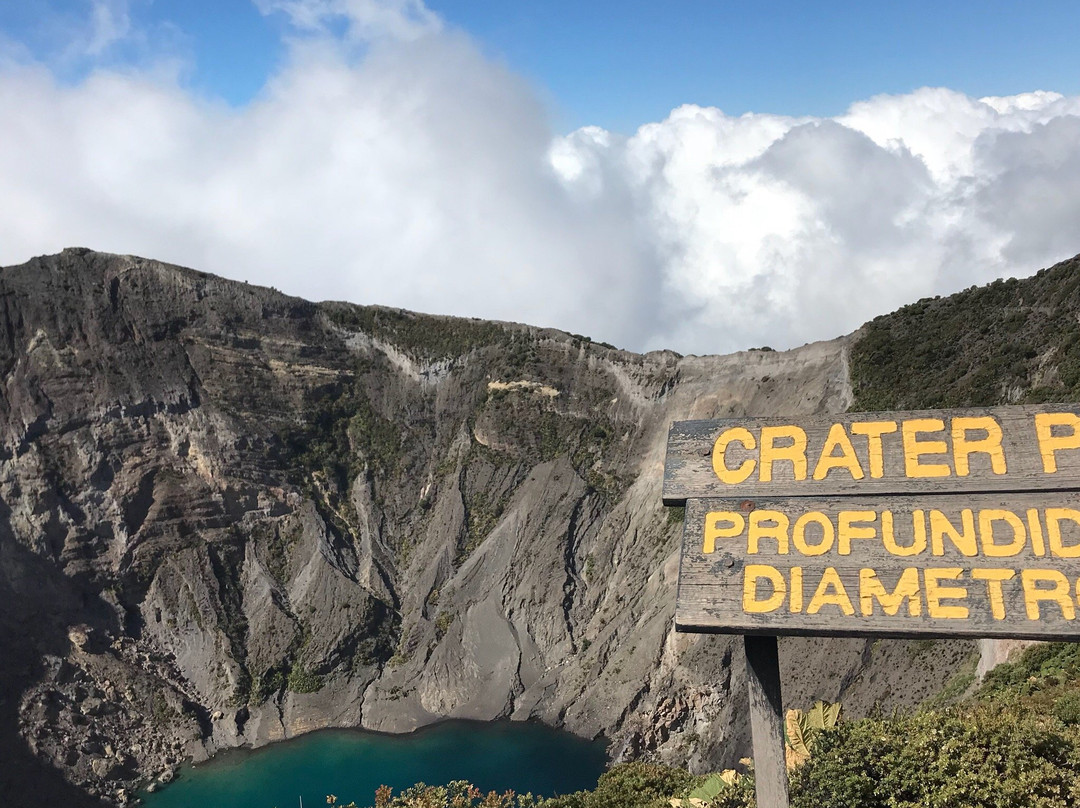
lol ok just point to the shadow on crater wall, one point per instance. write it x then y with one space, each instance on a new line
35 599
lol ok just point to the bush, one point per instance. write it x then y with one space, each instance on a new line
301 680
1067 708
457 794
1038 667
976 758
630 785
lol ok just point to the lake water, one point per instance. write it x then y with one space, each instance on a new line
352 764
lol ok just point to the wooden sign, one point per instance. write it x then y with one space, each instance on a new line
934 451
988 565
947 523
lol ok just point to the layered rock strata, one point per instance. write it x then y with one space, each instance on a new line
229 516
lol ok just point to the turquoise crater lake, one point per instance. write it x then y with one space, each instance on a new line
352 764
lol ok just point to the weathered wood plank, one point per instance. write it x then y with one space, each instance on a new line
766 721
931 451
988 565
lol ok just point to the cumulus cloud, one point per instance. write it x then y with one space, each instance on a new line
776 230
389 161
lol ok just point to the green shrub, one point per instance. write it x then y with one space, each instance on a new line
266 685
1067 708
975 758
456 794
443 621
630 785
1039 667
301 680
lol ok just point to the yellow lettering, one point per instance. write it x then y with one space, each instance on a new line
907 588
1049 443
1059 593
727 475
796 590
734 525
940 527
964 447
750 601
765 524
986 533
848 529
1036 532
873 431
795 452
847 459
935 593
914 448
798 534
918 541
830 580
1054 518
994 578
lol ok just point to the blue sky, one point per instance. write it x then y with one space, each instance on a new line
698 176
621 64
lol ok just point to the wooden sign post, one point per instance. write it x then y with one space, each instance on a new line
943 523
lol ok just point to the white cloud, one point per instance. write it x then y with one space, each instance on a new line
73 38
110 22
388 161
779 230
364 20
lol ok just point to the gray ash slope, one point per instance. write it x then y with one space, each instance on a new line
229 516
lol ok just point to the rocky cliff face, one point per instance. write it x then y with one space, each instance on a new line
228 516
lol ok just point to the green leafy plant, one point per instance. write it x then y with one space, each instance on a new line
726 789
801 728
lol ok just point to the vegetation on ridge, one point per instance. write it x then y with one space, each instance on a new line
424 337
1011 342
